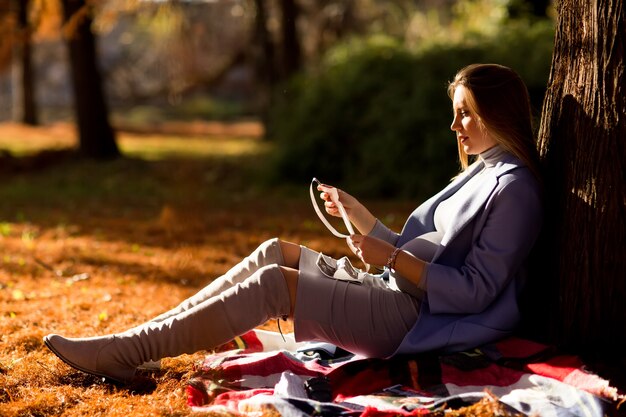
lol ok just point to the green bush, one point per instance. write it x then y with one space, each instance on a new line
374 117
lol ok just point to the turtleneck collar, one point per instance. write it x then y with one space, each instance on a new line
492 156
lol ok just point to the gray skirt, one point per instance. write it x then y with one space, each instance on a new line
369 319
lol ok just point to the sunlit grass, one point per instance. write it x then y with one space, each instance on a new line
153 147
20 140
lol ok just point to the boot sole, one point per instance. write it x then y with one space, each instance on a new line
87 371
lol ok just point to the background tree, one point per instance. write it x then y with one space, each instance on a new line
27 109
262 56
16 32
291 57
275 58
7 32
96 136
582 139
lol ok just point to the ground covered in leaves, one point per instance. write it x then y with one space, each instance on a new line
91 248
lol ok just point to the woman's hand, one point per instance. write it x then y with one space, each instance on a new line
358 214
372 250
327 194
377 252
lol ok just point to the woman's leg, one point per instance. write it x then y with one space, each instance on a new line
273 251
268 293
270 252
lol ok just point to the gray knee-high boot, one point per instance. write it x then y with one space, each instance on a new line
268 253
215 321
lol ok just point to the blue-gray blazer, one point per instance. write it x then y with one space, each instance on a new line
475 277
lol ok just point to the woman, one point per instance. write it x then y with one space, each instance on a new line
452 279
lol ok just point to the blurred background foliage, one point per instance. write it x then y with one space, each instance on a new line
373 115
350 91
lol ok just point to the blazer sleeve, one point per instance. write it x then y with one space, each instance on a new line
510 226
382 232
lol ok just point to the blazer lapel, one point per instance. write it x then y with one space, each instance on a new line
454 186
471 207
423 218
474 203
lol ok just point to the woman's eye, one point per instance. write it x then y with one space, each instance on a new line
464 113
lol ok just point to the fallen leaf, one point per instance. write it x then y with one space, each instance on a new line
18 295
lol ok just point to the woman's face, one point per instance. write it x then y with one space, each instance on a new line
469 133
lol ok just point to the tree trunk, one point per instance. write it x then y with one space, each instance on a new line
263 59
291 56
582 138
27 111
96 137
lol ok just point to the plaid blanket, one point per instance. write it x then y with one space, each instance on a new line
262 374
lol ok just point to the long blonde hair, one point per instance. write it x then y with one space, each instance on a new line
500 99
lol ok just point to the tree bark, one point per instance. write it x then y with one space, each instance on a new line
96 136
582 137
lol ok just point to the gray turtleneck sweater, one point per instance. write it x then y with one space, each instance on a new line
425 246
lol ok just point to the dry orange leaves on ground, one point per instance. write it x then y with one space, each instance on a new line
92 248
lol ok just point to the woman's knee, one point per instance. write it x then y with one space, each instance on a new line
291 253
274 280
268 253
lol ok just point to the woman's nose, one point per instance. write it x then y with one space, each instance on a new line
454 126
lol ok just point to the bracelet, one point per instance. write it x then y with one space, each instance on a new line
391 262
